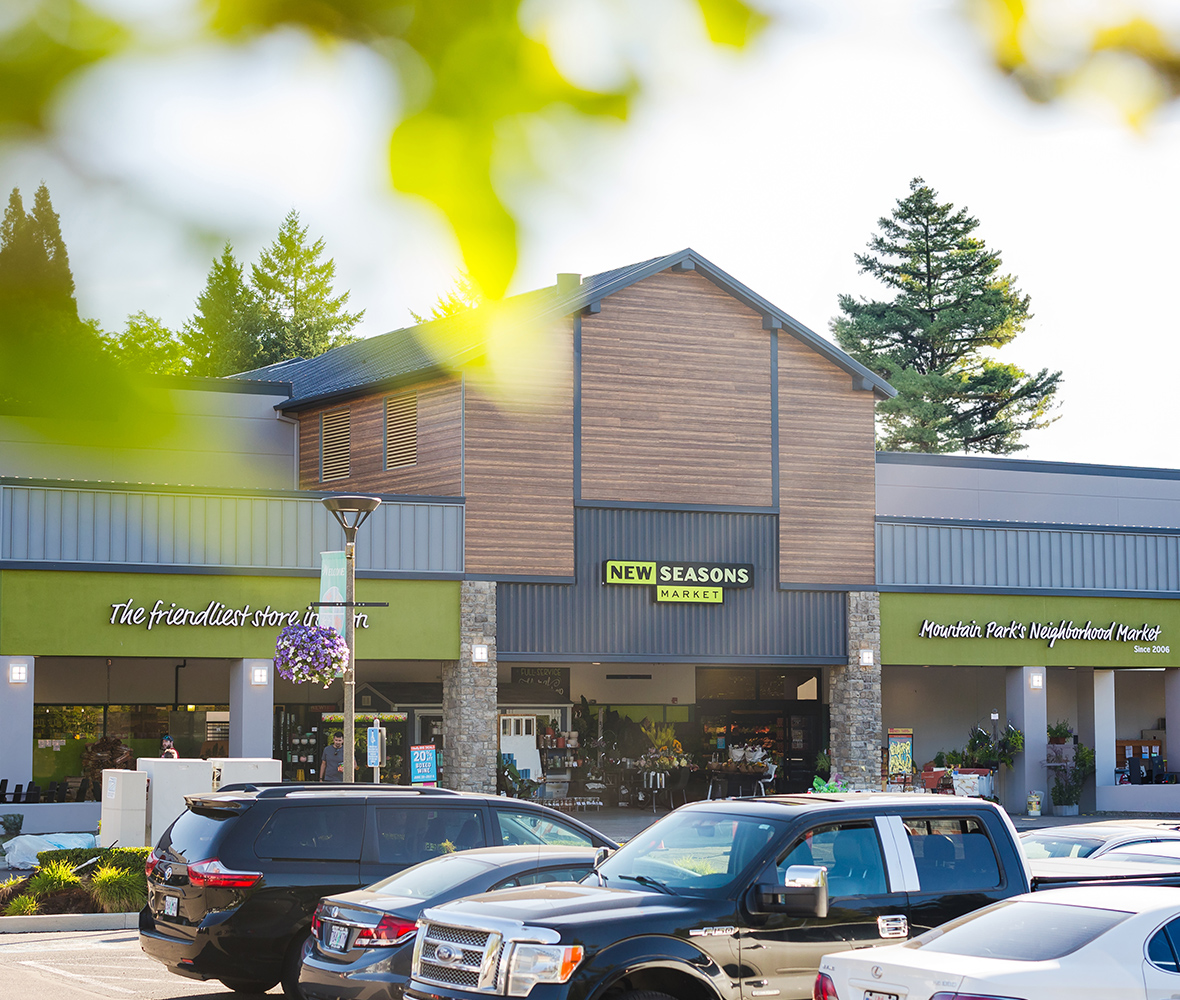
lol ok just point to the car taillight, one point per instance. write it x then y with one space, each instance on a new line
825 989
211 873
153 859
316 923
389 931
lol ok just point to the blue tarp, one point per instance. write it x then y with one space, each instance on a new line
21 852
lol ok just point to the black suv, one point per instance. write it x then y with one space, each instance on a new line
234 881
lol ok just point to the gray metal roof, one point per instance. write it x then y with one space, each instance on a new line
384 359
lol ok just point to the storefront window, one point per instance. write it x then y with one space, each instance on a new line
727 684
61 733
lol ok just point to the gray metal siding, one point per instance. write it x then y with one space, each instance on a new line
63 525
1026 558
596 621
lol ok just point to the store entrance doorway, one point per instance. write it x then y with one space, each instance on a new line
775 708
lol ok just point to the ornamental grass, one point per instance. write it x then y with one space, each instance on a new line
21 906
118 890
52 878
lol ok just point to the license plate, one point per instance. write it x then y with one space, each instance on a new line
337 937
170 905
875 995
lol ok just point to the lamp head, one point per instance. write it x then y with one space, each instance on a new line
351 511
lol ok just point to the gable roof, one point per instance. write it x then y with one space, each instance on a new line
368 364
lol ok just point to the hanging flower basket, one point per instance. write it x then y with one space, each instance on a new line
309 653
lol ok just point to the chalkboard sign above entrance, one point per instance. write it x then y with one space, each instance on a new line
691 582
551 683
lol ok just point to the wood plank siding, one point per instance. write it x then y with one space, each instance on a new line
519 453
676 396
827 464
438 470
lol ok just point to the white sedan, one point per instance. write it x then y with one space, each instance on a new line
1086 943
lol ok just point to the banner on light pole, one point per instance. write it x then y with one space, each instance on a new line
332 586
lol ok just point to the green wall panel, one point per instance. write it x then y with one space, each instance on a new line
1013 621
47 613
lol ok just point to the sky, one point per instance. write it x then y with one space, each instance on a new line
774 164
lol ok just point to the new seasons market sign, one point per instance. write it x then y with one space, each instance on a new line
681 582
1029 630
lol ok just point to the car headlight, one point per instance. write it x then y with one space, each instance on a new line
540 963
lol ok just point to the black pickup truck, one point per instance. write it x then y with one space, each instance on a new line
727 900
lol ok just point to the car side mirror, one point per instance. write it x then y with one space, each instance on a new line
804 893
601 855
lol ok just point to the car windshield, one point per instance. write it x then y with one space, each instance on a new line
430 878
1021 931
1058 845
690 852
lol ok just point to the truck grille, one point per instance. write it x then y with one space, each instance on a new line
458 956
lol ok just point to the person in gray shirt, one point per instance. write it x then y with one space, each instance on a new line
332 761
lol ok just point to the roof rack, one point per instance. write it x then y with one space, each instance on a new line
276 790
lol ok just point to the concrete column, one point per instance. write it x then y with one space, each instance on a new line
1104 728
470 733
251 708
1172 711
1027 711
16 709
854 696
1085 685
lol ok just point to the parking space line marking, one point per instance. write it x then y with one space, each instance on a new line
74 975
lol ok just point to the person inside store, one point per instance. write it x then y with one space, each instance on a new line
166 747
332 761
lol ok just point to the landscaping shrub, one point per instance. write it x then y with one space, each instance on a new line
12 822
51 878
7 887
21 906
118 890
131 858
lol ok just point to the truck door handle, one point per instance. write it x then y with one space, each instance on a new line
894 925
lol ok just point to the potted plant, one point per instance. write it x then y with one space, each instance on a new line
309 653
1069 781
1059 732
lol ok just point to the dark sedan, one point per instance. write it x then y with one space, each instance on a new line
362 941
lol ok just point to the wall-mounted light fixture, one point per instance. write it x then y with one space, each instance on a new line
1036 681
866 657
18 673
479 653
260 677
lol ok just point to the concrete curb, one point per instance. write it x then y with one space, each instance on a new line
49 922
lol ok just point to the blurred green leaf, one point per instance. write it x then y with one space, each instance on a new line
42 51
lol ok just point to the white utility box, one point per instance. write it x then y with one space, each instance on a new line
170 780
124 809
245 770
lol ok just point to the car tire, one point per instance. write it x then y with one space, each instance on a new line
247 985
644 995
292 963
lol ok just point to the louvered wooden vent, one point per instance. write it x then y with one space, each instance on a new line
334 447
401 430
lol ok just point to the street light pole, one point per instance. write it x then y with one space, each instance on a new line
350 513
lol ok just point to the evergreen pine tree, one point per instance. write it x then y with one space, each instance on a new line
299 314
950 305
223 337
34 265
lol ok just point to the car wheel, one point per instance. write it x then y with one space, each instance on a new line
247 985
644 995
292 963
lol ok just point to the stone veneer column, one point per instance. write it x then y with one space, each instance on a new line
470 736
854 697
